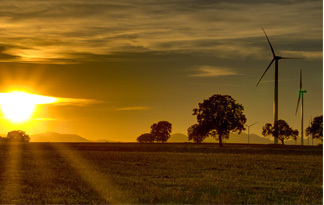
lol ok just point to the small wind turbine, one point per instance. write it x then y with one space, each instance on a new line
249 131
301 96
275 107
310 122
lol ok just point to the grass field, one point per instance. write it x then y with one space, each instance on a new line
160 173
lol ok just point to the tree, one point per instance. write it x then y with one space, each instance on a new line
197 133
284 131
316 128
18 136
145 138
161 131
3 139
219 115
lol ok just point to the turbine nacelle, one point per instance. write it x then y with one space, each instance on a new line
275 57
279 58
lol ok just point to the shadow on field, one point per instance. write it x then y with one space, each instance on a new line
45 173
177 173
10 188
269 149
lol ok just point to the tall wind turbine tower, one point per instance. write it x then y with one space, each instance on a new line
301 96
275 101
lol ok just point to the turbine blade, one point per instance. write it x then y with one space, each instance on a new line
253 124
301 81
265 71
297 103
269 43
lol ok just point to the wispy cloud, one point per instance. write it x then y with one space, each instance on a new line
133 108
45 119
34 99
61 31
76 101
210 71
303 54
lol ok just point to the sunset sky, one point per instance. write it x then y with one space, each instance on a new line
121 66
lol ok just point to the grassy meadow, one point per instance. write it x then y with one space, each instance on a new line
86 173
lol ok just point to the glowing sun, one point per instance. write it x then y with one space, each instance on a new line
19 106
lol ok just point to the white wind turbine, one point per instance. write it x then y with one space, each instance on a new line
275 103
301 96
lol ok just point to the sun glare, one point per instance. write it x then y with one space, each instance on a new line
19 106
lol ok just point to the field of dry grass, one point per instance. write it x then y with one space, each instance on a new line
160 173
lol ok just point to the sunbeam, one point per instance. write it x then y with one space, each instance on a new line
11 189
98 181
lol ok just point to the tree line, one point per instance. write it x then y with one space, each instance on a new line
220 115
160 132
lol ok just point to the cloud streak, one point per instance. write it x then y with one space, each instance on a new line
59 31
303 54
76 101
44 119
210 71
133 108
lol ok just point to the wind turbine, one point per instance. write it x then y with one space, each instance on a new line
275 102
249 131
301 96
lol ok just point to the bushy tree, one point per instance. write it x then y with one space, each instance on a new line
284 132
197 133
3 139
18 136
161 131
145 138
220 115
316 128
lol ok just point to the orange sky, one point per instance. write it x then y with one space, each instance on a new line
127 65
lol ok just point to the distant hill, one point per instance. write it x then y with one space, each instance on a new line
178 137
234 138
56 137
293 142
243 138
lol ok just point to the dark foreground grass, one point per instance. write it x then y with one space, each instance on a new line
59 173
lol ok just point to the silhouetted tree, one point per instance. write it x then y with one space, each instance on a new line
145 138
197 133
18 136
316 128
3 139
284 131
161 131
220 115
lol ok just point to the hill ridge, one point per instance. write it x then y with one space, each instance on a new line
56 137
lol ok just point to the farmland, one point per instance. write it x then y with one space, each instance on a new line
160 173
